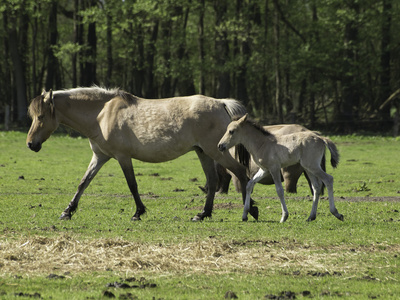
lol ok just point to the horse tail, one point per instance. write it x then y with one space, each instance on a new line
334 152
236 109
242 155
233 107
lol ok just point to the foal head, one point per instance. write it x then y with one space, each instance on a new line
44 122
233 134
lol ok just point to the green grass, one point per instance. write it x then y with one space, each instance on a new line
179 259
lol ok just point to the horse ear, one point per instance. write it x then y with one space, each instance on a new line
243 119
43 92
48 98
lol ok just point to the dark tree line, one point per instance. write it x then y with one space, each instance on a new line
326 63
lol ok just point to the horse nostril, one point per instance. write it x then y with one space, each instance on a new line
221 147
29 145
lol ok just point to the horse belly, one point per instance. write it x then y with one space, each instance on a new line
156 149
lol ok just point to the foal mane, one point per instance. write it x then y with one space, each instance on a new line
241 152
255 124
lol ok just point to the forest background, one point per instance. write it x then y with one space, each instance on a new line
328 64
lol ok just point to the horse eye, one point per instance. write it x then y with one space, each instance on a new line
41 117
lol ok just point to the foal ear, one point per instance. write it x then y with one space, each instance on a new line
48 97
43 92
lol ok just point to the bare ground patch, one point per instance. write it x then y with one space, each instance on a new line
44 255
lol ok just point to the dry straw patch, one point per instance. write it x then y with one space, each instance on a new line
68 254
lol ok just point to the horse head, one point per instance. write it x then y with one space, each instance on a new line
44 122
231 136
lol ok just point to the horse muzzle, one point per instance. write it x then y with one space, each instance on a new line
221 147
34 146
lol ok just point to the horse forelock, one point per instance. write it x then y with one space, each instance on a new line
36 107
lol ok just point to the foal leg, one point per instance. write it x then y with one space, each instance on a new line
316 185
328 182
240 172
98 160
127 168
249 189
276 176
212 179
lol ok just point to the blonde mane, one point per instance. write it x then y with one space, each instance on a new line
95 93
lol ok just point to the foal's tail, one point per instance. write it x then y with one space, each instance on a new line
334 151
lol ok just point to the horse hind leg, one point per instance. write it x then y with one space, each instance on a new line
329 186
316 186
328 182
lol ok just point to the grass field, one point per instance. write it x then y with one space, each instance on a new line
100 253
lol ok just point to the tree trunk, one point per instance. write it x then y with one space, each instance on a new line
6 92
18 70
385 89
166 53
350 89
53 77
278 100
109 49
76 41
201 47
221 51
151 90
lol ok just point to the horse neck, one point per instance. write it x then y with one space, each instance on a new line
79 115
253 139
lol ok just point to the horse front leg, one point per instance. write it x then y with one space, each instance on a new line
98 160
276 176
127 168
249 189
210 171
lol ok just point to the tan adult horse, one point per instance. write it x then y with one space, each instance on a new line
272 153
122 126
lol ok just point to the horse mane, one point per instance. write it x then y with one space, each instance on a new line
255 124
95 92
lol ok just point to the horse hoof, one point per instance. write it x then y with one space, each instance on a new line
135 218
284 218
254 212
65 216
340 217
245 219
197 218
310 219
